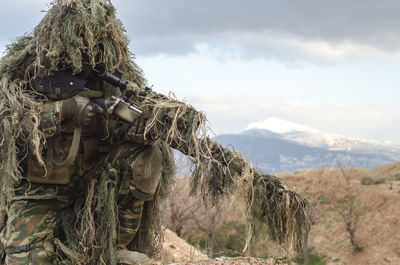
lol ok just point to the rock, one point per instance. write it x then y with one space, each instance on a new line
127 257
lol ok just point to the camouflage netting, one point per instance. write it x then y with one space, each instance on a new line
84 34
220 172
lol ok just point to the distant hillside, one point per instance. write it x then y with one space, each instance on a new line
376 193
271 152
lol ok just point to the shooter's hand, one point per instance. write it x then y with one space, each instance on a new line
78 110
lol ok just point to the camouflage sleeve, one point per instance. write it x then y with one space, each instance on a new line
50 118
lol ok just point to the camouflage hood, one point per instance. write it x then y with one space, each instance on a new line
73 34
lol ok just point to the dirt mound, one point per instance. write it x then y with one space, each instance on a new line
177 250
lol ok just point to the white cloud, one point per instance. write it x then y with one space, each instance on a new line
331 51
287 30
316 31
291 48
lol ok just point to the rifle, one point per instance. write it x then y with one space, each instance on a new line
63 84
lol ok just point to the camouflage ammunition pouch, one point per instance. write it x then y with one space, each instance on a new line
89 156
50 174
59 148
146 172
140 168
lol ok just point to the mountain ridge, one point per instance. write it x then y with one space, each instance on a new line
312 137
291 147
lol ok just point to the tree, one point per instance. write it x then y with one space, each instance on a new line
181 206
349 211
349 208
209 224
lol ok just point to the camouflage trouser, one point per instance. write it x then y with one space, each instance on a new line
30 232
33 219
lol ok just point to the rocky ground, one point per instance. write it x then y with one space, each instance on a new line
177 251
236 261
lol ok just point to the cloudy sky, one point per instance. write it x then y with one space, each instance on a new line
330 65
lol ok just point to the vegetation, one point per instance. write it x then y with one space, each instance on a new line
229 239
313 258
372 181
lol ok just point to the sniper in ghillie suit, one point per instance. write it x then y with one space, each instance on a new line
86 156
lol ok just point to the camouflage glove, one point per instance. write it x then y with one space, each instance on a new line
78 110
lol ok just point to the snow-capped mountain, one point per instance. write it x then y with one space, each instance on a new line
276 145
308 136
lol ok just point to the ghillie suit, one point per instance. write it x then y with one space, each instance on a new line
88 212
